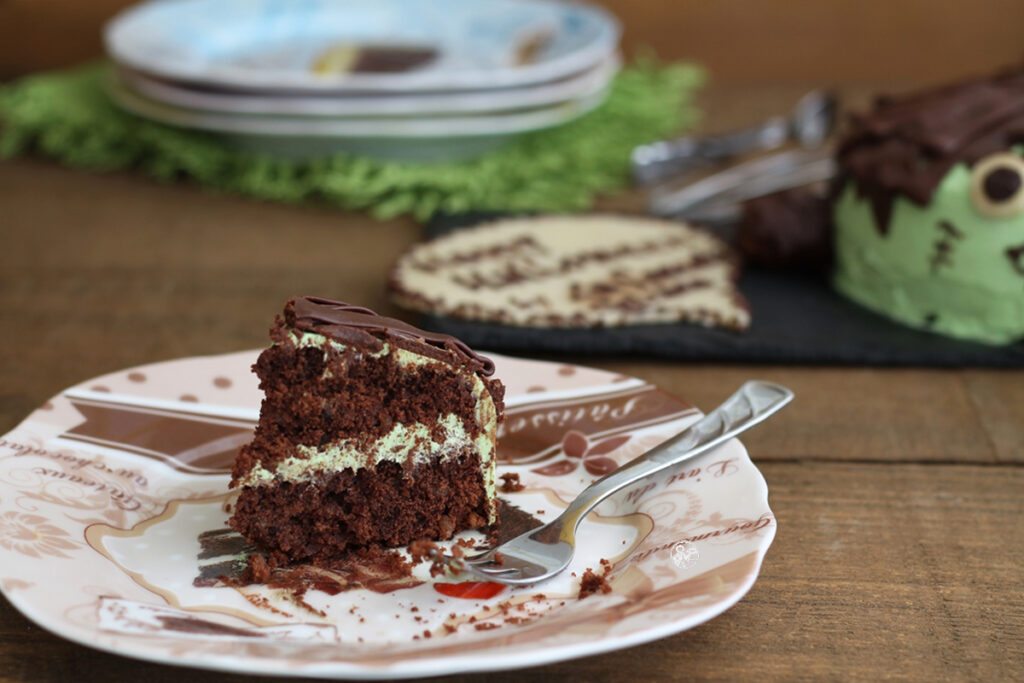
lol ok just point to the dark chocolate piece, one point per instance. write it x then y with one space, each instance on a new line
355 324
791 229
1001 183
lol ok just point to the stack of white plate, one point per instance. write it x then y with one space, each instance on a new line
403 79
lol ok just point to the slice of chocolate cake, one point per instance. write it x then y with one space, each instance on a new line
371 433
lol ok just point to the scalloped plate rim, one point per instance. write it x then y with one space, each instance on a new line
489 659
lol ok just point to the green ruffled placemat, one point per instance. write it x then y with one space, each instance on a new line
66 115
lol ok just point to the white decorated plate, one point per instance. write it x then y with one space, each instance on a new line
112 529
426 139
285 44
415 104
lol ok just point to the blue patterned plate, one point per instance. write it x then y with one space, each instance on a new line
365 45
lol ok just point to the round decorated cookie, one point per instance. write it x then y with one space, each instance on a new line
574 271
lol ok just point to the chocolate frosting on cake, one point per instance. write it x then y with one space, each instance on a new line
906 145
357 325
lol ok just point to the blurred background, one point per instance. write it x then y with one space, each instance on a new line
884 42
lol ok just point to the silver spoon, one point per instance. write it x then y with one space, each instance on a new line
809 124
541 553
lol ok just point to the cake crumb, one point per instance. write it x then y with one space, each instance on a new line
593 582
421 550
485 626
257 569
510 483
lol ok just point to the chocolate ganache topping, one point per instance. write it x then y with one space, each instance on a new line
906 145
353 324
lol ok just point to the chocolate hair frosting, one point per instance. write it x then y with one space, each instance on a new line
906 145
357 325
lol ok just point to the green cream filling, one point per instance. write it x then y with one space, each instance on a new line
400 444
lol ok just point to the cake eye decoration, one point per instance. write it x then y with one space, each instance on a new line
997 185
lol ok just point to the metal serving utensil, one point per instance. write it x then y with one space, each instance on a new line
717 197
809 124
541 553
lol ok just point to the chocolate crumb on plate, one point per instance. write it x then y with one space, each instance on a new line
510 483
592 582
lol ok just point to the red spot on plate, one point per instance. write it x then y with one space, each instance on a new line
470 590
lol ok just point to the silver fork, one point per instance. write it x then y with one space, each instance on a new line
543 552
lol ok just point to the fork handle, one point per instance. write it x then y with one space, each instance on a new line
753 402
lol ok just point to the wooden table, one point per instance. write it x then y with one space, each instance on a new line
899 493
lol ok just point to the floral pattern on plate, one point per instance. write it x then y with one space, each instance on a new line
113 503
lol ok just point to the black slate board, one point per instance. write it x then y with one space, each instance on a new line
797 319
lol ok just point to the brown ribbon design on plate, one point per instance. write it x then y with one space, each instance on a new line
199 443
189 442
534 431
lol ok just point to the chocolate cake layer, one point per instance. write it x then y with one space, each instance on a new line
361 401
386 505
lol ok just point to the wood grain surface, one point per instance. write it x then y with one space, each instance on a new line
741 41
899 493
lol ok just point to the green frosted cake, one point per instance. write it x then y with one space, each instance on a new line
929 218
